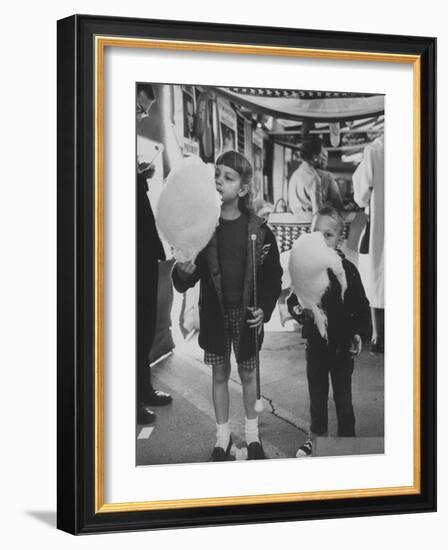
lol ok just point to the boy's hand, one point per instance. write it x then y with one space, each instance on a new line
356 345
186 268
307 315
257 317
296 311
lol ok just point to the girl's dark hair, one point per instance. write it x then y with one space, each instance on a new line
310 148
240 164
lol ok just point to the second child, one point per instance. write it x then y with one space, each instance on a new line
348 327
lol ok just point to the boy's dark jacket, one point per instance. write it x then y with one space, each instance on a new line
211 307
346 317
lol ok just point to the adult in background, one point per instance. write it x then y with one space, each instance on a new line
368 185
331 195
305 185
149 252
294 163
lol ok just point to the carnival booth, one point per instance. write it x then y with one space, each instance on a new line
268 126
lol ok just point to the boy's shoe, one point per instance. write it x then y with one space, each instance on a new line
255 451
221 455
305 450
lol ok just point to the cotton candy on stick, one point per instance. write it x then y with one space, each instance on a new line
308 263
188 209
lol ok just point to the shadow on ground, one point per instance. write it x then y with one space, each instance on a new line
184 431
48 517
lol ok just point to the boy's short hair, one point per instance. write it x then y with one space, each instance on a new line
332 213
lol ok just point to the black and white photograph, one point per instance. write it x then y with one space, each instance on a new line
259 273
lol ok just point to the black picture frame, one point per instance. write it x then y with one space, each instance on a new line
76 474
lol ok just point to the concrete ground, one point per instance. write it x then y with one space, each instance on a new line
184 431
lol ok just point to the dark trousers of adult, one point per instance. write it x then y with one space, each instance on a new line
146 298
323 363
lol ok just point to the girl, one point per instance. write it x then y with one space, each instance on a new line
226 311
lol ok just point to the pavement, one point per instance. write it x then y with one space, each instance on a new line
184 431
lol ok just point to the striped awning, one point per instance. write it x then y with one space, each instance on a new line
307 104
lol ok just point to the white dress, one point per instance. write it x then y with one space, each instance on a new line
368 186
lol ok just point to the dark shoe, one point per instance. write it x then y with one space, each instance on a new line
221 455
157 398
305 450
255 451
377 346
145 415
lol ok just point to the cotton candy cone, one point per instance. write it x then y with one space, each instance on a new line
188 209
308 263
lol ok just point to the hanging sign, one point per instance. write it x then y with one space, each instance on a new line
335 134
190 145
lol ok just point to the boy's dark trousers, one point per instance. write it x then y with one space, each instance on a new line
321 362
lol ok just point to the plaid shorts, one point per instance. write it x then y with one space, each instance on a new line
234 317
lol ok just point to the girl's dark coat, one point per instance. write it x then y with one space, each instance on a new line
211 307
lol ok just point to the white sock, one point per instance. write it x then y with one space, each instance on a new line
251 430
222 435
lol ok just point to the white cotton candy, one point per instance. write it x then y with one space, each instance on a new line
188 209
308 263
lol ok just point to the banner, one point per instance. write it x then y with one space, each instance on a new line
227 125
190 145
